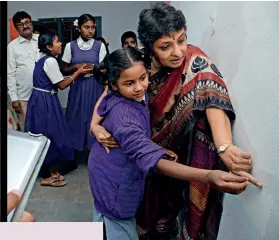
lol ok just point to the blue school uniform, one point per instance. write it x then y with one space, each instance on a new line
44 115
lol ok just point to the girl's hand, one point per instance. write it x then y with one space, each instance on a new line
229 182
252 179
78 65
104 137
84 69
171 155
236 159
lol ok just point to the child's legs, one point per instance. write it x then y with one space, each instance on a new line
117 229
121 229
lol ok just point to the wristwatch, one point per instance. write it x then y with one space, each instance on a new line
223 147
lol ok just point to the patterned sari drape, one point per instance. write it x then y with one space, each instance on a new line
178 101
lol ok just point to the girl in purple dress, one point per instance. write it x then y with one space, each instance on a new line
86 91
44 112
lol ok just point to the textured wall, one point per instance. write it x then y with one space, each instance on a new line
242 39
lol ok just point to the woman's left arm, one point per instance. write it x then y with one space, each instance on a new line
234 158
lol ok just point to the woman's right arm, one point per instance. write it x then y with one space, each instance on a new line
101 134
96 119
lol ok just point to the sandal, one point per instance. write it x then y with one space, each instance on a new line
53 182
57 175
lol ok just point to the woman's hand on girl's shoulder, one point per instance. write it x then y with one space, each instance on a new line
171 155
104 137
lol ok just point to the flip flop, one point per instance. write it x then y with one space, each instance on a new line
53 182
57 175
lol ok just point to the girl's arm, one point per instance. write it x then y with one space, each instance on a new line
69 80
66 67
69 69
221 180
234 158
130 130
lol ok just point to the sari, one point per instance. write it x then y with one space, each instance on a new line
178 100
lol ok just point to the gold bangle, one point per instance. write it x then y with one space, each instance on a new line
72 79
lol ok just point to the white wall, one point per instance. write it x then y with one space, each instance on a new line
242 39
117 17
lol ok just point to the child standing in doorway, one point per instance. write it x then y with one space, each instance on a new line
117 177
44 111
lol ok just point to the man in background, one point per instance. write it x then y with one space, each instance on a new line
129 38
21 57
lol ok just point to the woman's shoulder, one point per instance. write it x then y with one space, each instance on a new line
195 51
194 56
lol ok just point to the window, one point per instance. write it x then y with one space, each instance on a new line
65 29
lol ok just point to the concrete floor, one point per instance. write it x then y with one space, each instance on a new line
71 203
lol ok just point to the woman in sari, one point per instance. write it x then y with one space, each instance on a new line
191 114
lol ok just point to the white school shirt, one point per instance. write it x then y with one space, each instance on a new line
21 58
67 56
52 70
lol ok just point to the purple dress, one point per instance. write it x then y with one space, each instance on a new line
83 95
44 115
117 178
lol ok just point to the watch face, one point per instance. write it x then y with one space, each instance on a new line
222 148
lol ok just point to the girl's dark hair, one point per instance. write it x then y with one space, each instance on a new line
46 39
158 21
19 16
119 60
85 18
104 42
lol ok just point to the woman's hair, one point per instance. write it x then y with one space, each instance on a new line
158 21
46 39
119 60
